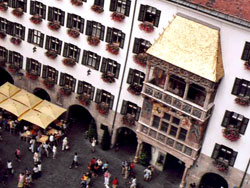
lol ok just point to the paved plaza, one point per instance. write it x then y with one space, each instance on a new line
56 173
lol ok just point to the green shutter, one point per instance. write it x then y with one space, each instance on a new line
226 118
109 35
65 50
80 87
128 4
51 14
113 5
243 126
104 65
130 76
45 71
138 113
102 32
62 18
124 107
89 28
233 158
246 52
117 70
56 77
62 79
236 87
111 102
157 18
92 92
216 151
142 13
98 96
32 8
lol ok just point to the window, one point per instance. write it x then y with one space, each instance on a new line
95 29
18 4
141 46
3 54
54 44
235 120
71 51
166 116
99 2
241 88
149 14
176 85
35 37
16 30
224 154
56 15
246 52
110 66
176 121
16 59
103 96
33 66
115 36
76 22
67 81
85 88
164 127
91 59
4 25
50 73
135 77
157 76
196 94
156 121
37 8
130 108
182 134
173 131
121 6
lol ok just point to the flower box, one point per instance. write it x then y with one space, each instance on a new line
93 41
84 99
112 48
108 77
49 83
147 27
141 59
3 6
128 120
2 62
51 54
118 17
97 8
73 32
31 75
36 19
2 34
247 65
15 40
13 68
18 12
65 91
244 101
69 62
134 89
55 25
231 133
102 108
77 2
220 165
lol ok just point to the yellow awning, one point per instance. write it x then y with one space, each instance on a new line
13 107
50 109
26 98
2 97
192 46
8 89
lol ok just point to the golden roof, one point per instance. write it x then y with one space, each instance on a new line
192 46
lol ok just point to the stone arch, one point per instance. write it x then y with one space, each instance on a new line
5 77
41 93
212 180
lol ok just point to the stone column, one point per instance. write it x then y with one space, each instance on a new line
186 89
148 67
166 82
183 179
208 96
138 150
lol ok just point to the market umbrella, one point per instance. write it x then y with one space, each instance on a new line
2 97
50 109
26 98
37 118
8 89
13 107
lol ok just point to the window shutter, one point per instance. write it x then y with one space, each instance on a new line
65 50
10 28
243 126
226 118
78 54
89 28
104 65
113 5
41 40
109 35
142 13
10 59
117 70
111 102
124 107
92 92
97 63
122 41
246 52
233 158
44 12
62 79
138 113
50 14
84 57
25 5
23 32
128 3
62 18
157 18
45 71
130 76
47 42
73 86
21 62
216 151
80 87
39 69
56 77
32 8
102 32
82 25
10 4
236 87
98 96
69 21
59 47
30 35
28 64
136 48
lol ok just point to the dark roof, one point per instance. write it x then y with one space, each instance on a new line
236 11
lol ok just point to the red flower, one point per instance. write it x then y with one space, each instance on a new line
36 19
15 40
18 12
51 54
65 91
93 41
69 62
49 83
84 99
112 48
116 16
97 8
73 32
55 25
2 34
3 6
102 108
141 59
231 133
32 76
147 27
77 2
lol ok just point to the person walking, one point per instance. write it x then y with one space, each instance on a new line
32 144
10 168
147 174
115 182
36 157
39 166
18 155
21 180
46 148
35 172
75 161
65 144
133 183
93 144
54 151
107 176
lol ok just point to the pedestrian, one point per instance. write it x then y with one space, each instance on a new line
93 144
21 180
35 172
65 144
46 148
40 151
106 178
32 144
52 139
75 161
126 175
39 166
105 166
133 183
147 174
54 151
10 167
36 157
18 155
124 163
115 182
